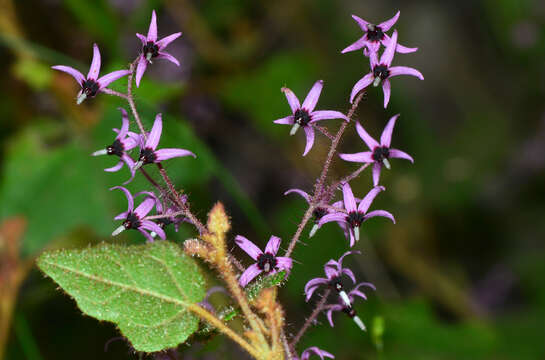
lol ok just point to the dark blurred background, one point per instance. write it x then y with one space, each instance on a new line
460 276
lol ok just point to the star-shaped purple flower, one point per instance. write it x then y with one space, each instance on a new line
349 310
149 155
266 262
333 271
91 84
318 212
136 218
374 35
316 351
124 141
153 48
170 210
356 215
380 153
304 115
382 71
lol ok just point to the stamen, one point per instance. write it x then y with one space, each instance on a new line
137 165
386 163
313 230
148 57
100 152
377 81
345 298
294 128
357 233
118 231
82 96
360 323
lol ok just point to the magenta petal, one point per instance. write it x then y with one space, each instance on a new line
167 56
348 197
142 38
284 263
292 99
115 168
361 42
339 217
140 69
155 134
404 70
388 54
362 157
360 85
94 70
273 244
340 262
151 226
362 23
124 124
386 137
251 272
369 285
386 25
394 153
152 31
373 55
145 207
331 270
130 142
312 285
167 40
350 274
128 195
404 49
376 173
122 216
313 95
386 91
382 213
300 192
369 141
130 164
327 114
309 131
107 79
366 202
165 154
249 247
335 307
321 353
358 293
288 120
146 234
71 71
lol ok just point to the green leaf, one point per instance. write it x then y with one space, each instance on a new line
145 290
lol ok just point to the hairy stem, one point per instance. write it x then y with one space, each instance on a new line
319 307
114 93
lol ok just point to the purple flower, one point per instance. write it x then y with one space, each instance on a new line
374 35
153 49
304 115
92 84
176 220
355 216
348 309
149 155
205 303
333 271
382 71
321 353
318 212
124 141
380 153
136 218
266 261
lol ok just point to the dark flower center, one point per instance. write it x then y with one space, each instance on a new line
266 262
132 221
374 33
147 156
381 71
150 48
380 153
162 222
318 214
116 148
350 311
355 218
89 87
336 283
301 117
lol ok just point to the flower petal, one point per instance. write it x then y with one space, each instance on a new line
321 353
331 270
299 192
251 272
142 38
363 157
386 137
151 226
350 274
167 40
405 50
340 262
404 70
376 173
388 54
273 244
284 263
386 25
368 284
71 71
288 120
249 247
329 313
369 141
146 234
167 56
155 134
94 70
140 69
293 101
348 198
121 216
128 195
360 85
327 114
382 213
394 153
312 285
130 164
366 202
115 168
309 131
107 79
386 91
358 293
362 23
373 55
358 44
339 217
313 95
124 124
165 154
152 31
145 207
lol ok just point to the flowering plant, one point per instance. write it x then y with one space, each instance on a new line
156 293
